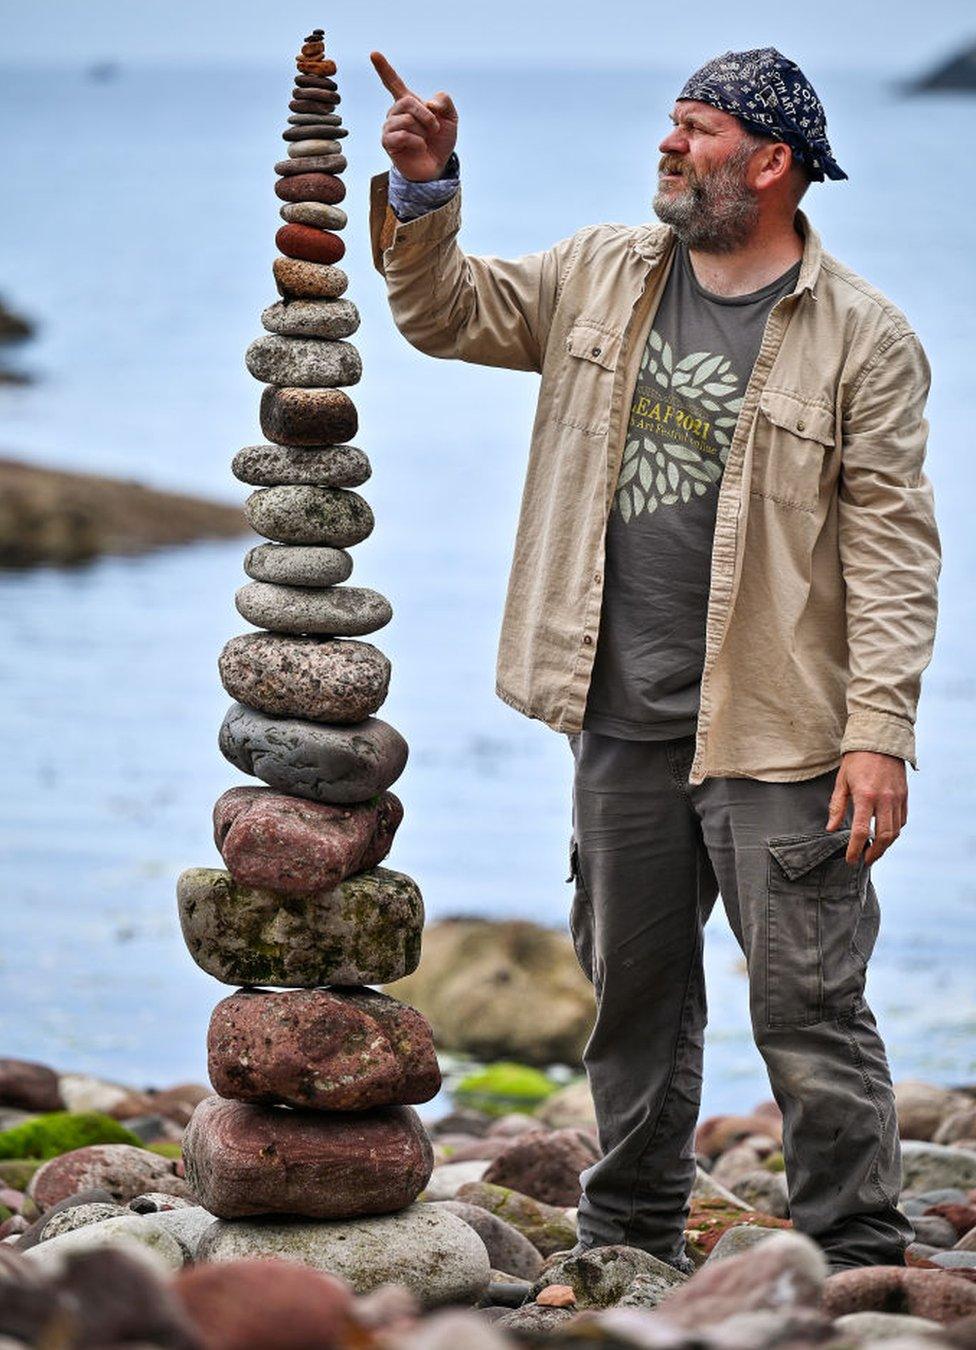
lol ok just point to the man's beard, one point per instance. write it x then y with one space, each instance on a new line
716 212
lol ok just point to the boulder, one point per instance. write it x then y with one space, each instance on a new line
245 1160
545 1165
604 1276
250 1304
508 1249
297 847
502 989
364 931
437 1256
120 1169
927 1166
29 1086
940 1295
325 1049
547 1227
125 1232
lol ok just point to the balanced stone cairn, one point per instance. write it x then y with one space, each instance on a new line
315 1075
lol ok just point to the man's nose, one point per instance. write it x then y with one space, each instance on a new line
674 143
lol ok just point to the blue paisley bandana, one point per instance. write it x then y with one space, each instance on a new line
771 96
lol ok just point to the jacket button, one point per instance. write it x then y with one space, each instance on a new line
587 640
596 351
596 577
801 425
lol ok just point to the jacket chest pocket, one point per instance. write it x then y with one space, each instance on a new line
793 435
584 384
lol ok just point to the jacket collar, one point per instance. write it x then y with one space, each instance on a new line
653 243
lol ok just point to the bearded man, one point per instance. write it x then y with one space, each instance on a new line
724 593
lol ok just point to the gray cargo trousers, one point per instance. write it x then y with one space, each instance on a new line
649 855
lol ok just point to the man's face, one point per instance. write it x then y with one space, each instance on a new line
702 189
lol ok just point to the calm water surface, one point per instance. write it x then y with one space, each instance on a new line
146 261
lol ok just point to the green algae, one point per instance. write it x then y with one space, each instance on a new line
504 1086
48 1136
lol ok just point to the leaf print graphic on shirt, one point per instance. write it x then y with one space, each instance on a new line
681 424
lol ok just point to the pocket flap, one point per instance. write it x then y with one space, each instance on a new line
809 421
593 343
798 853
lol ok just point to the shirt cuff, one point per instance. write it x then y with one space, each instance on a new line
409 200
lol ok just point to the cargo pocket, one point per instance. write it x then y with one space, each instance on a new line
581 398
793 436
580 915
821 922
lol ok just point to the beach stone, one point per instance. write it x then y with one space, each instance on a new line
939 1295
603 1276
764 1191
545 1165
315 82
81 1092
317 679
717 1134
126 1232
958 1125
300 149
77 1216
508 1249
319 214
547 1227
739 1238
28 1086
303 362
245 1160
368 924
448 1178
961 1216
922 1107
867 1327
298 847
312 128
330 319
571 1105
330 164
309 245
956 1259
433 1253
336 611
534 1324
316 93
283 465
324 763
311 187
297 280
926 1166
324 1049
122 1170
307 416
307 105
300 565
251 1304
933 1230
296 514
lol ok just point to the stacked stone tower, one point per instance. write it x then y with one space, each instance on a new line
315 1073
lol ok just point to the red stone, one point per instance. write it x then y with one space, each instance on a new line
937 1294
308 416
962 1217
311 187
29 1086
328 1049
254 1303
245 1160
545 1164
718 1133
121 1169
309 244
298 847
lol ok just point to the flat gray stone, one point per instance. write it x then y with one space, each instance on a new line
312 318
303 363
433 1253
314 129
927 1166
366 930
885 1326
126 1231
311 759
303 119
79 1216
333 164
302 149
300 514
317 679
331 611
508 1249
741 1237
270 465
297 565
320 215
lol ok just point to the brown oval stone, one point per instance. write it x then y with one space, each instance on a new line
327 1049
243 1160
309 244
296 168
307 105
325 98
313 66
298 847
322 680
294 416
315 82
308 281
311 187
314 131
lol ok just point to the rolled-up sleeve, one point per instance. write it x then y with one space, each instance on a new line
889 546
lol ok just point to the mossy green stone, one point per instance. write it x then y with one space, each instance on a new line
366 930
58 1132
499 1088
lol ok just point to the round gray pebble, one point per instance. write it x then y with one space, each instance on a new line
298 565
312 318
314 760
330 611
313 164
319 679
306 119
320 215
304 363
301 149
310 515
286 465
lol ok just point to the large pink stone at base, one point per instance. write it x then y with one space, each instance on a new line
328 1049
244 1160
298 847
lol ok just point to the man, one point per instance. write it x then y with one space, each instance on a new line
725 488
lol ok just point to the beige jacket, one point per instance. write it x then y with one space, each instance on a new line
822 602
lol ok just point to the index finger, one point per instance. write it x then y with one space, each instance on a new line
388 75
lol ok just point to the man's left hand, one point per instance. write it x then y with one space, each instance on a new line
878 785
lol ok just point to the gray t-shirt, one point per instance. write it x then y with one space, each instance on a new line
693 375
